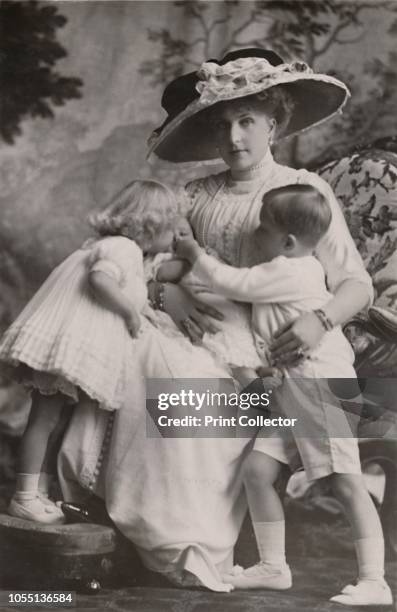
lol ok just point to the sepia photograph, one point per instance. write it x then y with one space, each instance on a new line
198 305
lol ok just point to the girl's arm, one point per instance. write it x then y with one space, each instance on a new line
109 294
172 271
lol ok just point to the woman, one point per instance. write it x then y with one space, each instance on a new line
158 491
225 207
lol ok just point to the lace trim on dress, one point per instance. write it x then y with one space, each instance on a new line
46 383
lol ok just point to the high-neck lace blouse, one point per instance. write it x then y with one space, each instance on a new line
224 213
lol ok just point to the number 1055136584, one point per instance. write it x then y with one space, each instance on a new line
32 598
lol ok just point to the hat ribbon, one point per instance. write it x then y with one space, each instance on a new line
221 82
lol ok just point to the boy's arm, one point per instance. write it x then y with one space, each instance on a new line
109 294
269 282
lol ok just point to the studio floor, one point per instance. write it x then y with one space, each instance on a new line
315 580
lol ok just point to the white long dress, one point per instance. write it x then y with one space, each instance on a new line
180 500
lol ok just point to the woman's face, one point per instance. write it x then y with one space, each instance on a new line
242 134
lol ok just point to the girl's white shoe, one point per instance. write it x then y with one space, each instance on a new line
50 505
365 593
35 510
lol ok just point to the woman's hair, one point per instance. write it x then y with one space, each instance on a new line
298 209
140 210
276 103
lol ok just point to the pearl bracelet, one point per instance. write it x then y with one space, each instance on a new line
158 301
324 319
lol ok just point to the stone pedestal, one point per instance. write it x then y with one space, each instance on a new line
35 556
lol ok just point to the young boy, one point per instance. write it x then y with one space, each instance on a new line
287 282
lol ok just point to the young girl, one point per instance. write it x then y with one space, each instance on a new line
73 339
288 281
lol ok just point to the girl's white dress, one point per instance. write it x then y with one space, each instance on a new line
65 340
180 500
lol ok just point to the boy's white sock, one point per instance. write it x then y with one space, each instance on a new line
270 539
370 558
27 487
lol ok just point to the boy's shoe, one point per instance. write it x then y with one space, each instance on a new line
261 576
365 593
34 510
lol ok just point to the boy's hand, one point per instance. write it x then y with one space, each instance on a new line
133 322
188 249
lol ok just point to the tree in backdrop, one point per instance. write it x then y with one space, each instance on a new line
30 85
307 30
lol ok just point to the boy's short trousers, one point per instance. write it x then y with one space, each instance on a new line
319 458
323 439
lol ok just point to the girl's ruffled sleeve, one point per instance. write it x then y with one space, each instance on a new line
116 256
336 250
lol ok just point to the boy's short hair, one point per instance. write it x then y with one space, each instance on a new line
298 209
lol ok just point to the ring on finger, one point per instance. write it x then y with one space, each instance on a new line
191 328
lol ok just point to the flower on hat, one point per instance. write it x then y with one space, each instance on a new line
246 74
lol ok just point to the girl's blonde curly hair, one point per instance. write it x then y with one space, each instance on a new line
139 211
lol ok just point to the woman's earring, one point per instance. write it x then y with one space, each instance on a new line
271 133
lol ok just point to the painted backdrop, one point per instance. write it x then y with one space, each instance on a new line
107 62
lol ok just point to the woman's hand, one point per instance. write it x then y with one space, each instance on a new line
294 341
188 313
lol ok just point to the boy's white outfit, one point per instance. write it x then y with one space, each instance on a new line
281 290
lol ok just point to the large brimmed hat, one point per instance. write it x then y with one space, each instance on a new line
186 136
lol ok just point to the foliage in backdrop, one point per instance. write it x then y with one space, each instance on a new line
29 50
